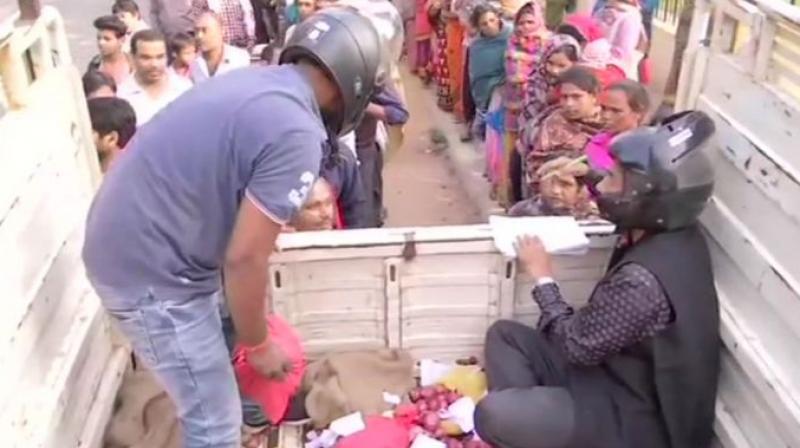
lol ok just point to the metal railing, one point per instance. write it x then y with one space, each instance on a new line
669 11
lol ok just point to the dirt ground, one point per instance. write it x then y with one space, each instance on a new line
420 189
420 186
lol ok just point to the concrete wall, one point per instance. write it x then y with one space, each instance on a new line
661 50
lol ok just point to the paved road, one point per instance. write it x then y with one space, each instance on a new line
78 17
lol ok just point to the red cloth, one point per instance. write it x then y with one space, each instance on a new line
273 396
645 71
586 25
610 75
339 224
380 432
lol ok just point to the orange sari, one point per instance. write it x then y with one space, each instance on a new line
455 61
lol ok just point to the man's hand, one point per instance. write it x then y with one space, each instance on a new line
534 258
269 360
376 111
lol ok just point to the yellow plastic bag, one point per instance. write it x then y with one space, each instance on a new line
469 381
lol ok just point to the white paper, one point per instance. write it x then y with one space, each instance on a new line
559 234
349 424
461 412
431 372
326 439
423 441
392 399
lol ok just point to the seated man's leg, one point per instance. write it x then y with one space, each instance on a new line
182 343
538 417
519 356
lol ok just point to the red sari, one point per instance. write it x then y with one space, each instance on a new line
422 34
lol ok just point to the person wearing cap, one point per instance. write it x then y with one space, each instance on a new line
202 191
638 365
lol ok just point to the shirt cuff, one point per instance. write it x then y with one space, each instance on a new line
547 294
545 281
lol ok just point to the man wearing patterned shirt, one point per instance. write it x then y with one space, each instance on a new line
638 365
237 16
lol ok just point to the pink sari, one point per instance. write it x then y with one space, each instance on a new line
422 34
494 145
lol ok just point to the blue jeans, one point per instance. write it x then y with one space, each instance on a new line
182 343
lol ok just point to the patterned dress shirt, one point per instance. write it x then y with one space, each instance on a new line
624 309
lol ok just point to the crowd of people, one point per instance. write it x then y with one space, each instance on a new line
529 82
145 69
204 171
534 85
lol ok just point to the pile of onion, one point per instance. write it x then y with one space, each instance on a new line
426 403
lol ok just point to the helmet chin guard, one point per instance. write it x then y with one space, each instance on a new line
668 178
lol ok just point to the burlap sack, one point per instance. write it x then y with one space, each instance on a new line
343 383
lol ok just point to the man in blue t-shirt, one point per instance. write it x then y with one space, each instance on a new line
203 190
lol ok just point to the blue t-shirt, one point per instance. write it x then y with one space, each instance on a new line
163 216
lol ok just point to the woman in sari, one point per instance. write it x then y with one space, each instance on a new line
598 56
624 107
466 105
583 27
437 10
456 33
422 34
486 55
596 52
560 54
486 74
524 51
567 130
621 22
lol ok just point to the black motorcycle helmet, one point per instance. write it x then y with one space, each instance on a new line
668 179
346 45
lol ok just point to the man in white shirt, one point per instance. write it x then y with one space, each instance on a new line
152 87
216 57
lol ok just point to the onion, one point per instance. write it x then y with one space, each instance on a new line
434 404
422 406
453 443
426 392
441 389
414 395
431 421
405 409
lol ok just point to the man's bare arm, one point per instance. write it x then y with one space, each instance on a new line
245 271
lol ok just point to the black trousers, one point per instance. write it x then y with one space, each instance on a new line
370 160
529 404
